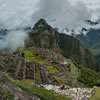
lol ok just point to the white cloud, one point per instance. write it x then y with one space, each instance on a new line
13 40
63 12
93 5
18 13
15 13
59 13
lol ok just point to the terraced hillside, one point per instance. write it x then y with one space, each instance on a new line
44 66
40 65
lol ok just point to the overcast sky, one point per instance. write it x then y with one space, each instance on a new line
62 13
58 13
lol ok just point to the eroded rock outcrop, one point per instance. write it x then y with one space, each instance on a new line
19 94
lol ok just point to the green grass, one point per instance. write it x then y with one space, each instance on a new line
97 95
58 80
27 83
28 53
88 77
37 77
52 69
72 67
42 93
30 56
6 94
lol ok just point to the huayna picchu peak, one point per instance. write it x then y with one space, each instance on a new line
41 23
48 60
44 36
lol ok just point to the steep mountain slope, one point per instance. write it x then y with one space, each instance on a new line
92 41
73 49
44 36
91 38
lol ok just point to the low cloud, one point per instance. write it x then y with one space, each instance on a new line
15 14
13 40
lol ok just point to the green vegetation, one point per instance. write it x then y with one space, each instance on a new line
52 69
88 77
37 77
72 67
8 77
6 94
58 80
43 94
31 57
27 83
97 95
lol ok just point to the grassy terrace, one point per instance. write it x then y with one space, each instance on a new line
52 69
97 95
42 93
88 77
30 56
72 67
37 77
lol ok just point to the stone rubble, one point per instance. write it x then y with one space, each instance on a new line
74 93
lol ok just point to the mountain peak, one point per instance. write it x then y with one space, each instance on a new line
43 36
41 23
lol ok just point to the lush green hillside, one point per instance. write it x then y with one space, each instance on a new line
88 77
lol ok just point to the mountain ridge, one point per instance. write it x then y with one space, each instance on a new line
44 36
92 41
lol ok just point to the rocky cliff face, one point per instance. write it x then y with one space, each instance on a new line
73 49
14 92
44 36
